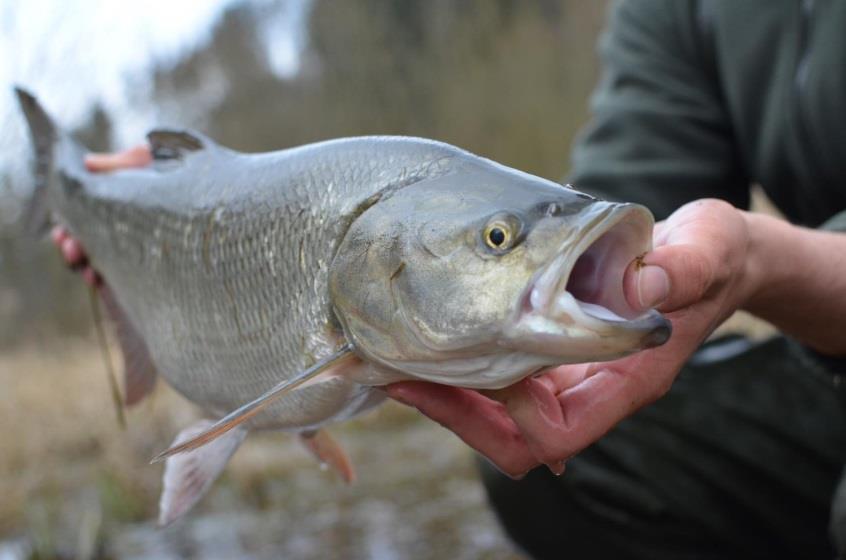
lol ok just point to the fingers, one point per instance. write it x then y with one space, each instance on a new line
74 255
539 417
139 156
556 428
70 249
700 249
524 426
481 423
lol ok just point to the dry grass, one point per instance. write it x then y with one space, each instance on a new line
63 429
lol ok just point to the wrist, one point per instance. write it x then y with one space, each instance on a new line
795 278
774 266
761 270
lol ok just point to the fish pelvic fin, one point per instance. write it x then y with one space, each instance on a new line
187 477
244 413
329 452
139 372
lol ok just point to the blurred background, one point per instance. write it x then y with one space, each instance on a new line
507 79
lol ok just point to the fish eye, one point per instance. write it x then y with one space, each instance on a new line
498 236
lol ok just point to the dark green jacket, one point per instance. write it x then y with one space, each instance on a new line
704 98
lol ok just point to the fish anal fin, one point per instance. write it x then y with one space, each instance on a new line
187 477
171 143
326 368
328 451
139 371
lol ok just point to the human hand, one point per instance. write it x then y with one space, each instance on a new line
71 250
698 275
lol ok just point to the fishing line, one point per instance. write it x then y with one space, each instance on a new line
107 356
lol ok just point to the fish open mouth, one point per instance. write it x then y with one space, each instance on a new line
575 305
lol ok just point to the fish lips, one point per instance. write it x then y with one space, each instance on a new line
574 308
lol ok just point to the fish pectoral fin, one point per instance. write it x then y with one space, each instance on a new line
328 451
325 368
172 143
138 369
187 477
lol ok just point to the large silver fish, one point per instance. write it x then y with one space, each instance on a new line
297 280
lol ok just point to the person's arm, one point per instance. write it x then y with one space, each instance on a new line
801 279
660 133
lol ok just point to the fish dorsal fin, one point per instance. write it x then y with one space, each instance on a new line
325 368
173 143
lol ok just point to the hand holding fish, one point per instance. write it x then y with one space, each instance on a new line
695 274
710 260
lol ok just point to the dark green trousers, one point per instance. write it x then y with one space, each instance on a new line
740 459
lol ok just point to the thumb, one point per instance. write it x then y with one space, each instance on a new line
669 278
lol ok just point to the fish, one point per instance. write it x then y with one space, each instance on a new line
281 289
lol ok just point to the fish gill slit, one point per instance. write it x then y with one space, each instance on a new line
384 193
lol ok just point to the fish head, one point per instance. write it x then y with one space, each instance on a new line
483 275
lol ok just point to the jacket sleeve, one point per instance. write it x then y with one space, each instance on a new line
660 134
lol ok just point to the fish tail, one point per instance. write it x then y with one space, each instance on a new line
46 140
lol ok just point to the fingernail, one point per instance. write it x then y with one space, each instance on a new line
653 286
557 468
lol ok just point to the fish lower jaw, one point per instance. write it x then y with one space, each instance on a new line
572 331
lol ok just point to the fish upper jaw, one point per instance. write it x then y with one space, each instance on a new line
574 309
